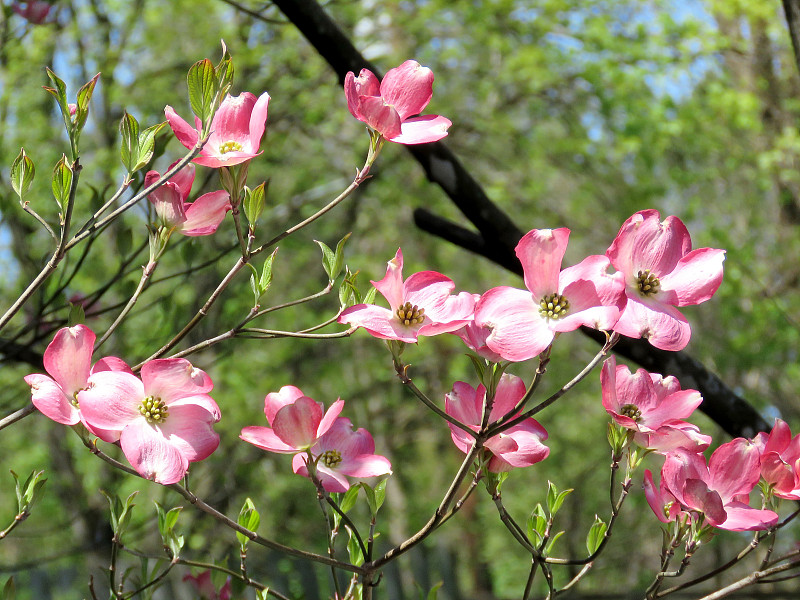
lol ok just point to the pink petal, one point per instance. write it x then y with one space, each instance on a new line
364 465
661 324
168 204
698 496
541 252
265 438
258 120
735 468
518 331
776 471
510 390
408 88
391 286
379 322
330 417
454 313
422 130
205 214
68 357
111 363
296 424
183 131
529 449
741 517
429 290
173 378
366 84
274 401
342 438
695 279
112 400
676 435
331 480
48 397
380 116
189 427
659 246
151 454
184 179
465 404
779 438
231 123
679 405
657 502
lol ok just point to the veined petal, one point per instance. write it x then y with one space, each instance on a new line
168 204
274 401
258 120
695 278
68 357
741 517
151 454
408 88
265 438
112 399
391 286
698 496
231 123
380 116
331 480
659 246
48 397
296 424
379 322
366 84
510 390
661 324
189 427
330 417
173 378
364 465
205 214
734 468
518 331
465 404
183 131
422 130
541 252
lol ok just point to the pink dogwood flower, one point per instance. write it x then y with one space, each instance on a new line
201 217
68 362
518 446
236 130
341 453
665 506
389 106
475 338
420 305
652 406
165 419
661 271
297 422
35 12
780 460
719 490
205 587
524 322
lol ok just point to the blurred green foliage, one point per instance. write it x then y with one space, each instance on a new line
569 114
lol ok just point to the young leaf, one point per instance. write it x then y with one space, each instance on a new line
596 534
62 182
249 519
548 549
339 260
254 203
82 103
22 173
328 259
59 92
202 83
555 498
129 148
9 590
349 499
76 314
354 549
147 144
266 274
537 524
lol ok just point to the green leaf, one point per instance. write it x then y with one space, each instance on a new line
33 488
59 92
22 174
82 103
254 203
434 591
202 84
548 549
129 148
349 499
77 315
9 590
596 535
147 144
555 498
62 182
354 549
249 519
266 274
262 594
328 259
370 297
537 525
339 259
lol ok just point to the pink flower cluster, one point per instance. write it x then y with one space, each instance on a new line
163 421
301 426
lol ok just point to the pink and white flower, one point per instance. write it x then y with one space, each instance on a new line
68 362
165 420
518 446
523 323
420 305
653 406
719 490
661 271
236 130
389 106
297 422
780 460
201 217
341 453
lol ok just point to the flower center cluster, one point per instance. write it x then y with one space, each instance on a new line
647 283
230 147
331 458
74 400
631 411
154 409
553 306
410 315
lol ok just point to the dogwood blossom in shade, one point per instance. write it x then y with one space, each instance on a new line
165 419
524 322
719 490
297 422
780 460
35 12
68 362
201 217
518 446
420 305
205 587
652 406
236 130
665 506
389 106
661 271
341 453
